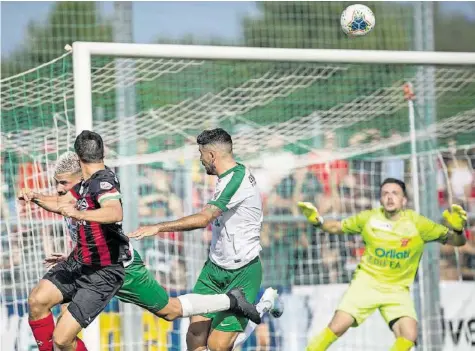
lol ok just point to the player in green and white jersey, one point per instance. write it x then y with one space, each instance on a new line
235 213
140 287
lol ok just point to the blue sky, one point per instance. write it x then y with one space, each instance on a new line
168 19
151 19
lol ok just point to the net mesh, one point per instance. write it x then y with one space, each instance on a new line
325 133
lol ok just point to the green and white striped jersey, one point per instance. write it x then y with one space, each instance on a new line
236 233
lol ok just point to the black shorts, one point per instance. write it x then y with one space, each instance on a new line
88 288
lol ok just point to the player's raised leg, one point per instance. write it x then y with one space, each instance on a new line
405 330
198 332
141 288
42 298
399 312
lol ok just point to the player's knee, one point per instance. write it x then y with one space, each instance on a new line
62 341
217 344
38 303
410 334
406 327
340 323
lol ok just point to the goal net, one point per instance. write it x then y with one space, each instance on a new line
310 131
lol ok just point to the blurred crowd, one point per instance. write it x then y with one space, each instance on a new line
339 187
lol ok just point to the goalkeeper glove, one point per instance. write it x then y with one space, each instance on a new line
311 213
456 218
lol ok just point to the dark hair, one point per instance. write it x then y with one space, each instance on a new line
89 147
214 136
394 181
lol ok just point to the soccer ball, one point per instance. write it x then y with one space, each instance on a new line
357 20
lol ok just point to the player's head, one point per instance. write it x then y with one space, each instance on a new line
214 145
89 147
67 172
393 195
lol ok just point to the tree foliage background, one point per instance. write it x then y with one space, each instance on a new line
293 24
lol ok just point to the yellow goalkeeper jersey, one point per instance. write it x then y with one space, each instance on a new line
393 249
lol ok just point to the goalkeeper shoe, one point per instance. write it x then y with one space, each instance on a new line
456 218
270 302
241 306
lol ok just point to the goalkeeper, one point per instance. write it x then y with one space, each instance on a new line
394 238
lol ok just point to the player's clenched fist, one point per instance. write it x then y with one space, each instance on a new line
27 195
456 218
69 210
143 232
311 213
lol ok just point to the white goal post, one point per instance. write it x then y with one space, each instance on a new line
83 51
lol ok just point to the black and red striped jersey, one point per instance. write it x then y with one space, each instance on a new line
99 244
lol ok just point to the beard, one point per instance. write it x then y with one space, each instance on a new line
210 169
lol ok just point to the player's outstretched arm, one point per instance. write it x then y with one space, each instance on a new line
110 212
456 218
451 233
192 222
51 203
313 217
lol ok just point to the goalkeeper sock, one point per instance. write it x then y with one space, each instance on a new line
402 344
322 341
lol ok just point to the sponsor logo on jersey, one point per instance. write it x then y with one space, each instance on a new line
381 225
405 241
105 185
392 254
81 205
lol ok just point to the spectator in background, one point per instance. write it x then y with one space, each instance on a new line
300 183
461 179
464 269
329 173
281 197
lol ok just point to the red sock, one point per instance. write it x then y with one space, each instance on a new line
43 332
80 345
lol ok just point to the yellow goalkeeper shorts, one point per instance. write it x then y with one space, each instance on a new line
362 298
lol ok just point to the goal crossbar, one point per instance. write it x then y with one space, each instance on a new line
275 54
82 52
